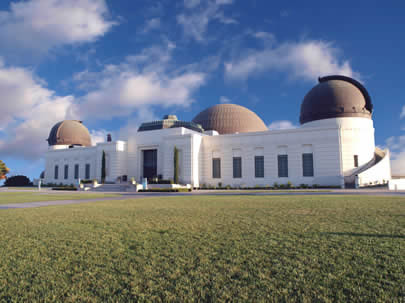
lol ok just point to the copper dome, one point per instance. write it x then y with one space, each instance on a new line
69 132
336 97
230 119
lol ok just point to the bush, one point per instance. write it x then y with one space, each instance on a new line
18 181
160 181
69 187
275 185
304 185
86 181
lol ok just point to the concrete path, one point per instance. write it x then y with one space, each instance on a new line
126 196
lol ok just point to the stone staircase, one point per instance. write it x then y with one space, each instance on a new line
378 156
111 188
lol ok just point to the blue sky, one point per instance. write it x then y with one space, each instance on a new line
115 64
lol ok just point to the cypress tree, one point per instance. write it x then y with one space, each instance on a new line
176 166
103 172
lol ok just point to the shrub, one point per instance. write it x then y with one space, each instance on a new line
68 187
18 181
282 186
228 187
219 184
160 181
84 181
275 185
304 185
289 184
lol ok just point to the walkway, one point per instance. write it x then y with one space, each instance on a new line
126 196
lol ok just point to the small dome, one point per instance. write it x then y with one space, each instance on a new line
336 97
69 132
230 119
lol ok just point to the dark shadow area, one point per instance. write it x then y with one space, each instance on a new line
364 235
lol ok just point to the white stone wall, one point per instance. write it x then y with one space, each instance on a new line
324 143
356 138
116 159
333 143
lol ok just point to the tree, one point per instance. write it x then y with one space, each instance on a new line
18 181
103 170
176 165
3 170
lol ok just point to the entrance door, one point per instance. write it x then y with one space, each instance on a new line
150 163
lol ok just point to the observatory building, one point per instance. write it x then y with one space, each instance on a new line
230 145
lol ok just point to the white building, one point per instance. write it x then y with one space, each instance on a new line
230 145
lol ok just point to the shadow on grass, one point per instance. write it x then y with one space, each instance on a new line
364 235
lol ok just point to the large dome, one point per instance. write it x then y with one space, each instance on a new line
69 132
230 119
336 97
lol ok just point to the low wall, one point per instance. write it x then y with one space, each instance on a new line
396 184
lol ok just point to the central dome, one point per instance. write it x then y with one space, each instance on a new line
230 119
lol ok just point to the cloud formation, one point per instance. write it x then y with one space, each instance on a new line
143 80
197 16
224 100
281 124
305 60
29 110
44 24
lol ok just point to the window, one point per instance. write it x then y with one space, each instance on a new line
77 171
56 172
216 168
237 167
308 165
87 174
356 161
66 173
259 166
282 166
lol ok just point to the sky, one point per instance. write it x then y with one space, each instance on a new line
116 64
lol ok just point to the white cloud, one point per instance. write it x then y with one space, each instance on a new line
191 3
40 25
304 60
281 124
402 115
98 136
195 23
152 24
396 145
143 80
224 99
29 110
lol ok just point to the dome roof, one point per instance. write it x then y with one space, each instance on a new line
69 132
230 119
336 97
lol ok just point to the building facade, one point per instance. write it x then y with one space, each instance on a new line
228 144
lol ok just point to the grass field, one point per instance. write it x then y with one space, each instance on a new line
23 197
211 249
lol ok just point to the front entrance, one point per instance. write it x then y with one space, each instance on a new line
150 163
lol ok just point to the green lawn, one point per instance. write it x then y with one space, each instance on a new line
211 249
23 197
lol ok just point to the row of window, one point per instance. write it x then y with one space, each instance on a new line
282 161
76 172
